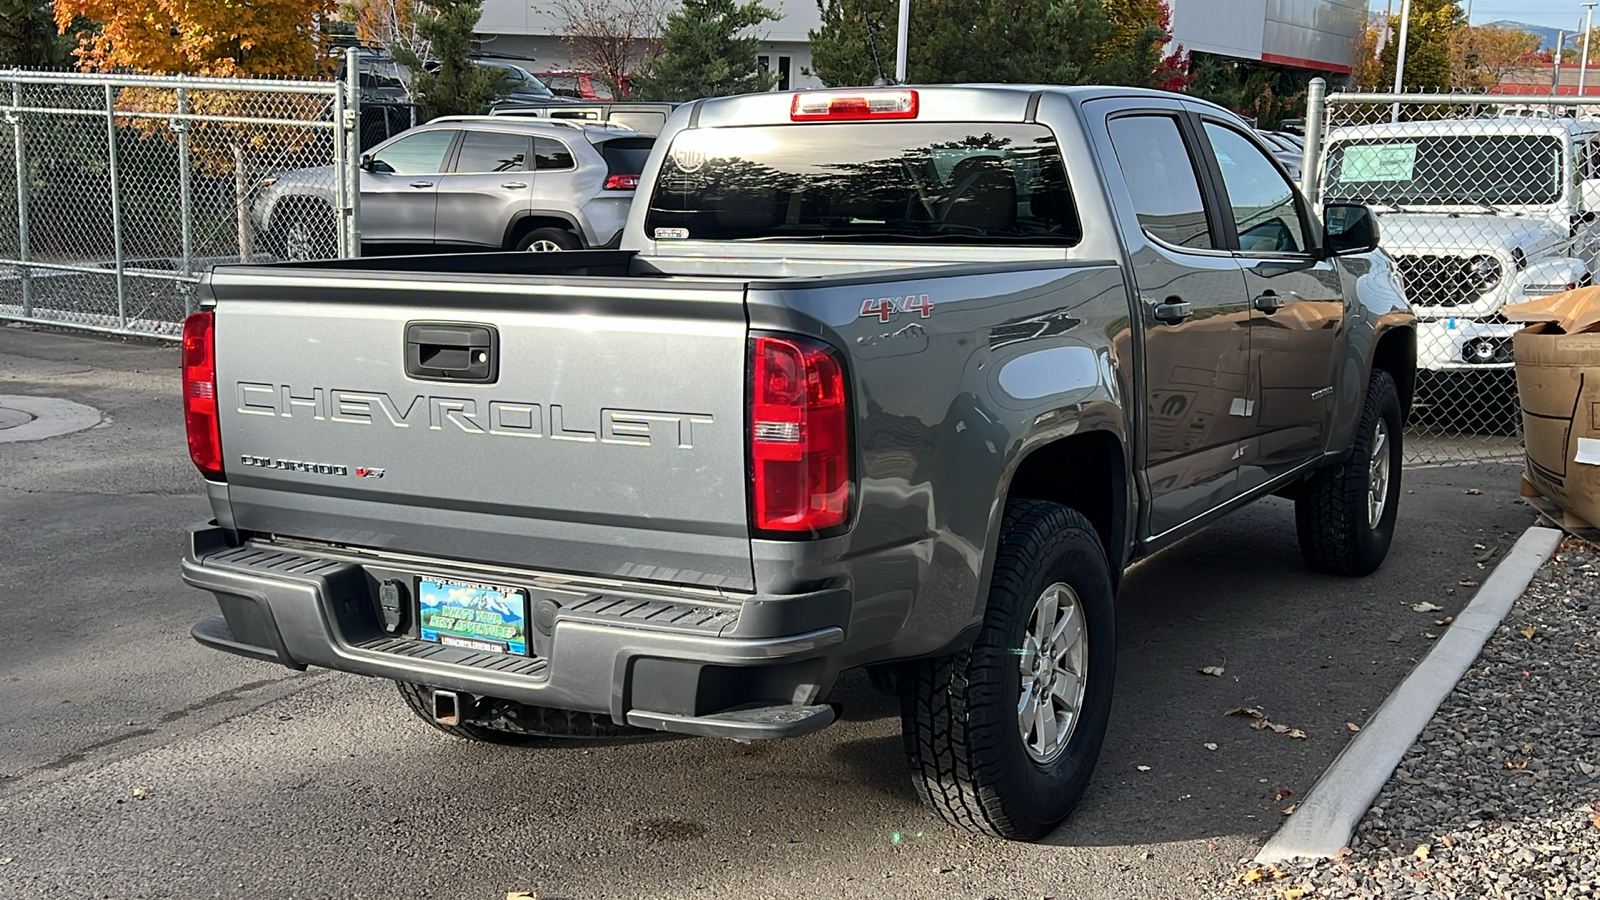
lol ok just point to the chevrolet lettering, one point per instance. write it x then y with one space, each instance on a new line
898 379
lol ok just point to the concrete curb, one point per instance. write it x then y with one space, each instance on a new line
52 417
1324 821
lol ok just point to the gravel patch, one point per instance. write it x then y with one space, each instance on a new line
1500 795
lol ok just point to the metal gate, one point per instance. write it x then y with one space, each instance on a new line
1483 200
119 191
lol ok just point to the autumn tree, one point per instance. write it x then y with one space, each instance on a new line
1481 56
263 37
1427 66
613 38
1366 70
708 49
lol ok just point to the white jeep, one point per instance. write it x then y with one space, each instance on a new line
1477 213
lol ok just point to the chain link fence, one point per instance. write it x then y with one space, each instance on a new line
119 191
1483 201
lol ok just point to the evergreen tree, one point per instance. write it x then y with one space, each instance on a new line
1427 46
450 84
1025 41
28 36
707 51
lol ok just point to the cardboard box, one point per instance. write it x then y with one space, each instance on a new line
1558 382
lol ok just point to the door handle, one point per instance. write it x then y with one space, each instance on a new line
1173 310
421 184
514 185
1269 303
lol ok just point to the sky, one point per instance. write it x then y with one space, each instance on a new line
1566 14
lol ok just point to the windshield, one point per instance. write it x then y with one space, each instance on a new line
867 182
1442 170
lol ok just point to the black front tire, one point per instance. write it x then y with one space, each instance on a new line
959 715
1332 509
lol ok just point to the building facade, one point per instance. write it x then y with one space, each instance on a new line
1309 34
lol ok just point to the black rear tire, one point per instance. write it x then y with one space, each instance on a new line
1332 509
960 714
516 724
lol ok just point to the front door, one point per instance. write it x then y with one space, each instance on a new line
1192 300
489 184
399 188
1297 316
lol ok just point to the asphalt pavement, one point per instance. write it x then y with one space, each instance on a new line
134 763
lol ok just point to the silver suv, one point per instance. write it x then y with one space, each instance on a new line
473 182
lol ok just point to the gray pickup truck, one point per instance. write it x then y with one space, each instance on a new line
898 379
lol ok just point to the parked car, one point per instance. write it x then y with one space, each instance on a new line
475 182
1285 151
897 378
582 85
1478 213
645 118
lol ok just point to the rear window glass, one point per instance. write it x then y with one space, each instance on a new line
626 156
866 182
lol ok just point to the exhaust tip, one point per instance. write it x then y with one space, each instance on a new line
446 708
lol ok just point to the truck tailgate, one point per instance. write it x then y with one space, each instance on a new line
605 438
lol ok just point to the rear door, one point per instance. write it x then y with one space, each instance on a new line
1195 318
399 188
1297 299
487 186
601 433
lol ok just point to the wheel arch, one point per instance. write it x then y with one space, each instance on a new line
530 220
1087 472
1396 353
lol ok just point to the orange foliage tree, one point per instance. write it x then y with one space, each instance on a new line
200 37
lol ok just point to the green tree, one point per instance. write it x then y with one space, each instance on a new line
707 51
450 84
1028 41
29 38
1427 46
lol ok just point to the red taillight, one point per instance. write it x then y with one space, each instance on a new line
799 436
200 394
848 106
622 183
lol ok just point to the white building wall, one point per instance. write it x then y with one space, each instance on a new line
1313 34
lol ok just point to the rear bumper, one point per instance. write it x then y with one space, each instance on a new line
643 655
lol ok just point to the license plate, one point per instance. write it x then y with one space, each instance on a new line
473 616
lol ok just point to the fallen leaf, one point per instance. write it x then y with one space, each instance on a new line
1472 491
1212 670
1528 632
1260 724
1516 765
1352 726
1250 711
140 792
1297 734
1595 821
1479 547
1444 621
1430 635
1210 746
1250 876
1422 851
1467 582
1278 727
1344 853
1289 810
522 895
1425 606
1292 893
1143 768
1261 780
1282 793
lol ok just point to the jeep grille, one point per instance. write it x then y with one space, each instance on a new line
1439 280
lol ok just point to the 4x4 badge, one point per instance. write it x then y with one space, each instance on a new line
365 472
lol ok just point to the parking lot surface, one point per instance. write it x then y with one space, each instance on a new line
134 763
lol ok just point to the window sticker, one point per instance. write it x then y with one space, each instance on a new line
1379 162
672 234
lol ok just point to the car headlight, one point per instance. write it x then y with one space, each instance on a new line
1486 272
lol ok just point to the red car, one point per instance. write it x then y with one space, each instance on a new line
580 85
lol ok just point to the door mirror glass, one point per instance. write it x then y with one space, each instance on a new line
366 162
1349 228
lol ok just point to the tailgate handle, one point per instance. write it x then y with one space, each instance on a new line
452 351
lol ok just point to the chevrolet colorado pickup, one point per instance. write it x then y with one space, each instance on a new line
898 379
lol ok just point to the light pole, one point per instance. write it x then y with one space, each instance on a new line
1400 60
1583 66
902 41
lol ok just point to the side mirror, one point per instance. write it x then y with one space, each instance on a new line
1349 228
366 162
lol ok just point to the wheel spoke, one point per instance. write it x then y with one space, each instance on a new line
1065 688
1053 663
1067 633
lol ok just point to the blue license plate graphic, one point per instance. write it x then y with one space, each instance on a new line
473 616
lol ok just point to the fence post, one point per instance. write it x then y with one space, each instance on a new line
352 77
26 272
1316 111
185 198
116 205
